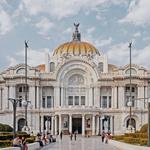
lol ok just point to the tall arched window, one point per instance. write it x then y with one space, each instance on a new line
133 71
52 66
133 123
100 67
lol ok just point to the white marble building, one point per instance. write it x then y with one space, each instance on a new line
76 89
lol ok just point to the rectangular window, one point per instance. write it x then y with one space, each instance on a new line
70 100
43 102
109 101
127 89
104 102
82 100
133 89
49 101
76 100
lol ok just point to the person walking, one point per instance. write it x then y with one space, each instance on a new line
75 135
61 134
106 138
71 136
103 136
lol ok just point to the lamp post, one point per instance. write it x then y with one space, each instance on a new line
130 97
14 103
148 142
26 96
26 103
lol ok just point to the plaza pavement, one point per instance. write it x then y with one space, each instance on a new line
82 143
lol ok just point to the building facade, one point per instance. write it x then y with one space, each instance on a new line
76 90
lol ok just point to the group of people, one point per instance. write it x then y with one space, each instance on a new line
44 139
105 137
20 142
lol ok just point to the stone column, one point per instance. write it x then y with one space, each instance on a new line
90 97
121 100
101 124
93 125
62 96
38 97
83 125
140 95
97 125
60 128
12 94
100 130
52 125
1 95
112 125
32 95
57 96
5 102
96 97
42 123
114 97
70 123
55 125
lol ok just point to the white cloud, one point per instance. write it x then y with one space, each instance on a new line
63 8
44 25
12 61
90 30
5 22
138 13
35 57
119 54
68 30
103 42
137 34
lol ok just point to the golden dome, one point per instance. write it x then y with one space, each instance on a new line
76 47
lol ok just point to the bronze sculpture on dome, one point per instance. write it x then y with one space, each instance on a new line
76 26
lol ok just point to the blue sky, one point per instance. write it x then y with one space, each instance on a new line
107 24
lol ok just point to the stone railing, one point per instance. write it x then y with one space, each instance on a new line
125 146
32 146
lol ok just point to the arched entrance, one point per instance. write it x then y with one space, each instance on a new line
21 123
133 123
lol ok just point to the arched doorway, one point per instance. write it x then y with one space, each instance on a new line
21 123
133 123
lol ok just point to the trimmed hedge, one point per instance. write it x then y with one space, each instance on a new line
131 140
143 142
5 128
144 128
5 143
30 140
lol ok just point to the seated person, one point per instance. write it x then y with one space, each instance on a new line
38 139
17 142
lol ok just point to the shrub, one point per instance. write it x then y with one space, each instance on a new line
5 143
30 140
143 142
131 140
5 128
6 137
144 128
118 137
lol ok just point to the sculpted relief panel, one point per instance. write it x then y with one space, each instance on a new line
76 80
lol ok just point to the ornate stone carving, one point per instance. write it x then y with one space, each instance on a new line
76 80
